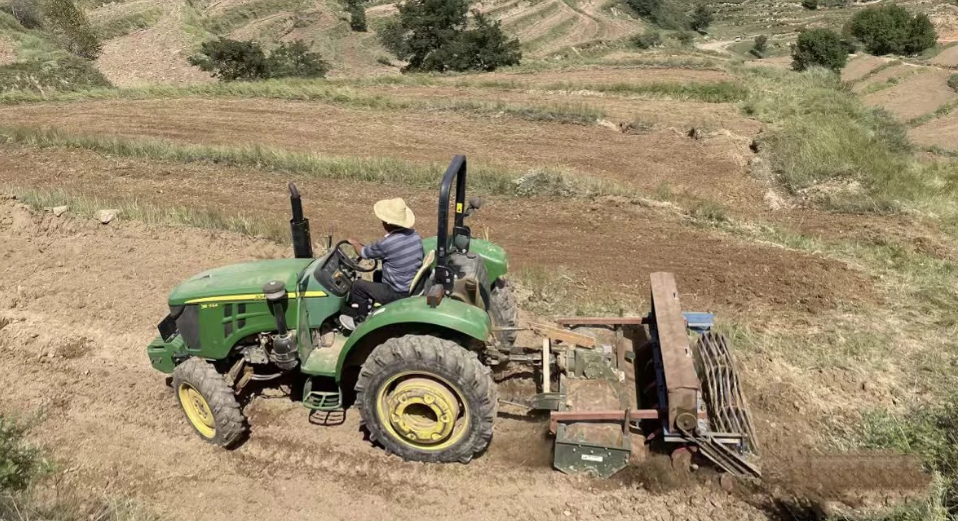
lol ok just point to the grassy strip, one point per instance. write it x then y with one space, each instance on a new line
556 31
827 146
940 112
711 92
535 16
124 25
876 70
235 17
492 180
306 90
153 214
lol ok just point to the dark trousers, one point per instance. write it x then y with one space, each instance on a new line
364 293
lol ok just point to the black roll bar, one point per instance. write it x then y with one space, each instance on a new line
456 172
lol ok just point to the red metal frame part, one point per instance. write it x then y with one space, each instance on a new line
615 415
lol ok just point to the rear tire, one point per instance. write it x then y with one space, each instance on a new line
208 403
427 399
504 312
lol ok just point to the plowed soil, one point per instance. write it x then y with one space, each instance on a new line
606 244
941 132
607 75
860 67
947 58
713 169
79 301
916 94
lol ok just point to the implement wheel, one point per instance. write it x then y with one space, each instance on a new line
427 399
208 403
504 312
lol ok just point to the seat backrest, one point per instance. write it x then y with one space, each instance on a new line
415 287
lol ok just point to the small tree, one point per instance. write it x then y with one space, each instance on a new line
70 26
436 35
231 60
759 46
819 47
889 29
811 5
295 60
701 18
647 40
953 82
685 38
357 15
645 8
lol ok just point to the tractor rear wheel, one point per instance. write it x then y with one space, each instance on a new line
428 399
504 312
208 403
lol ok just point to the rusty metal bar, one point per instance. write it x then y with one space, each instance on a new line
616 415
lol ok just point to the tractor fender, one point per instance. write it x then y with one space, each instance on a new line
414 316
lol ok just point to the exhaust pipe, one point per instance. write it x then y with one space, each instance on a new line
299 226
284 341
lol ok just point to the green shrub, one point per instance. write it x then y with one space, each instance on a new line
811 5
233 60
647 40
67 23
28 13
890 29
685 38
436 35
357 15
760 45
294 60
66 73
819 47
701 18
667 15
20 463
953 82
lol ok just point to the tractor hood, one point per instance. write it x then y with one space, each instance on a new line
244 281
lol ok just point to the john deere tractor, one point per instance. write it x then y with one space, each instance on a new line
419 367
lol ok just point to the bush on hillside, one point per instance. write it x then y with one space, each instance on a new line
890 29
67 23
438 35
28 13
953 82
234 60
357 15
295 60
701 18
647 40
819 47
66 73
759 46
685 38
665 14
811 5
19 462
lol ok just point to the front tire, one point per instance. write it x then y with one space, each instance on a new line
208 403
427 399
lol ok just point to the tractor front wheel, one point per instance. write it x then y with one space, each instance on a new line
208 403
428 399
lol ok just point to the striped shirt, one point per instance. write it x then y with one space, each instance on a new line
401 253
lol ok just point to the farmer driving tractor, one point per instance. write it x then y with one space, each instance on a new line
401 253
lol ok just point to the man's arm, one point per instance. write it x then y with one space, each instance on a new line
373 251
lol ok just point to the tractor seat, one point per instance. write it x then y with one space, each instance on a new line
418 284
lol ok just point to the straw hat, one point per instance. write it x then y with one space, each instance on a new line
395 212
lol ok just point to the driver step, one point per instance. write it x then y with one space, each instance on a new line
324 401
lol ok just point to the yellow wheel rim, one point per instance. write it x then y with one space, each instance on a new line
197 410
422 411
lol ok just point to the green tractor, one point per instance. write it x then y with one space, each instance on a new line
420 366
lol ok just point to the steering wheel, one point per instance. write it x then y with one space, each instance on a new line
350 262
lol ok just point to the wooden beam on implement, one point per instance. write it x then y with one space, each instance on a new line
563 335
601 321
681 381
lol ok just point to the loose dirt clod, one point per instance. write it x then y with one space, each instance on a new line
59 210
